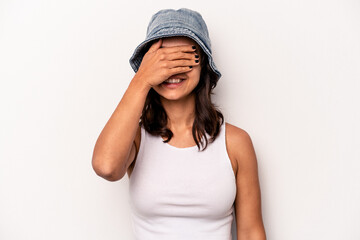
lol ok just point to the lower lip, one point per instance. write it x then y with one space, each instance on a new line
172 85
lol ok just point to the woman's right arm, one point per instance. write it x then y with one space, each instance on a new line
114 144
114 150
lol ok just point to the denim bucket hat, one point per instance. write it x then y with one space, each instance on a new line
171 22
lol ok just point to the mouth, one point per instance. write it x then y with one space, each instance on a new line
173 82
175 79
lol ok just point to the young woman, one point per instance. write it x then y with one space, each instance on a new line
188 169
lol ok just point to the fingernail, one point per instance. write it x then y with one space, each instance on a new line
197 56
196 61
194 47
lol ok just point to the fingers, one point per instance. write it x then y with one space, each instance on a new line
181 55
155 46
181 63
177 58
177 70
183 48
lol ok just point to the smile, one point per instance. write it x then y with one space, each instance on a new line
172 83
174 80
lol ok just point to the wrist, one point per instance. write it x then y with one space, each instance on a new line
140 84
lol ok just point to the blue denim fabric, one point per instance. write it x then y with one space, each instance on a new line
170 22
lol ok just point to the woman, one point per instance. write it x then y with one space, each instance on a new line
186 175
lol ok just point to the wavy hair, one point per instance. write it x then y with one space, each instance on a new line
208 118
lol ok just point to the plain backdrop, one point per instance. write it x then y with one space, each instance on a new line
291 72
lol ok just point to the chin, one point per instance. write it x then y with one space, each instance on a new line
172 97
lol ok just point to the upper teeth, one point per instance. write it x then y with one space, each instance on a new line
177 80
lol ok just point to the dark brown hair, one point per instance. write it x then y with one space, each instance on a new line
207 117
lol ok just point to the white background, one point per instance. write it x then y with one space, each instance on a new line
291 72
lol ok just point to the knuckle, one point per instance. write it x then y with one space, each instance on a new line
165 64
162 56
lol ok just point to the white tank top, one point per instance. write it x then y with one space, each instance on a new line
181 193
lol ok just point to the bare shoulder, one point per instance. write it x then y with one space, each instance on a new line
238 143
236 135
248 195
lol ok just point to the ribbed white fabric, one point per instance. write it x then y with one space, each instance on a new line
181 193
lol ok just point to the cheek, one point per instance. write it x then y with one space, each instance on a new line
194 78
195 73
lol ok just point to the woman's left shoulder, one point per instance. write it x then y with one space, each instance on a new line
236 134
238 142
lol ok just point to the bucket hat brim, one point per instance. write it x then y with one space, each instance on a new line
143 47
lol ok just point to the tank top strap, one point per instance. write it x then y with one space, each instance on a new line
143 140
223 149
220 140
143 131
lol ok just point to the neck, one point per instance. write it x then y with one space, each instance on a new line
181 113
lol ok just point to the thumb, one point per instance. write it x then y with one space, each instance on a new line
156 45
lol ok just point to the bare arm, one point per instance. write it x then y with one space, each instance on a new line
115 141
249 221
114 150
